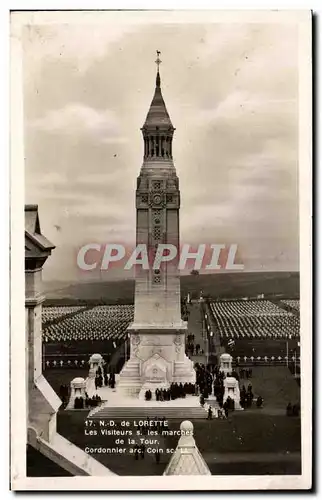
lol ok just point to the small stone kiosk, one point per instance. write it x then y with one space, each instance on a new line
226 361
231 386
187 459
96 361
77 390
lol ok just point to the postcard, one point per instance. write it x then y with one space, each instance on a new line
161 173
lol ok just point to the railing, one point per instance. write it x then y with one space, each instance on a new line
70 361
267 360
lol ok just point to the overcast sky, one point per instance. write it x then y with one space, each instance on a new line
232 93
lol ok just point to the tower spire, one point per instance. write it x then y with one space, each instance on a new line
158 129
158 62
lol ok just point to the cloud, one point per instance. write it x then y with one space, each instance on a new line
77 119
79 43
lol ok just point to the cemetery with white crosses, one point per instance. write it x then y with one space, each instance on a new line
237 323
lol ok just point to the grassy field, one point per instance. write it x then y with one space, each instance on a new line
221 285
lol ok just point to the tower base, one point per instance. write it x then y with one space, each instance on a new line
157 359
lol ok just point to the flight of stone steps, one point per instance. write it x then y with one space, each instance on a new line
185 413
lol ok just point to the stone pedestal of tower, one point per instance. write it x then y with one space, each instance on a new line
157 335
157 359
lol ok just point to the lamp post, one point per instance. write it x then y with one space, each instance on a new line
298 345
288 338
209 345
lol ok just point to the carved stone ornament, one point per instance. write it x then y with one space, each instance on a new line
178 342
135 341
157 199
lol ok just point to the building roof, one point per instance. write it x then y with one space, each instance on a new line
33 232
32 219
158 115
187 459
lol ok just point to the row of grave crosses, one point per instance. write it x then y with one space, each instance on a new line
265 358
68 363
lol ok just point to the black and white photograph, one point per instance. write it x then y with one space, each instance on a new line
161 304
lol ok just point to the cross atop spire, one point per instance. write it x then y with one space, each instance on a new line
158 116
158 62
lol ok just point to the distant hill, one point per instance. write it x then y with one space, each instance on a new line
221 286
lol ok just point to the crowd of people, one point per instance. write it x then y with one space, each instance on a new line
192 349
246 396
223 411
81 403
173 392
102 377
210 381
184 310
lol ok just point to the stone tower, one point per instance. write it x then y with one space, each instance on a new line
158 333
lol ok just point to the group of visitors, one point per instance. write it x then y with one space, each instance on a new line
223 411
184 311
173 392
80 403
210 381
246 396
181 390
293 410
148 395
193 349
103 376
162 395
